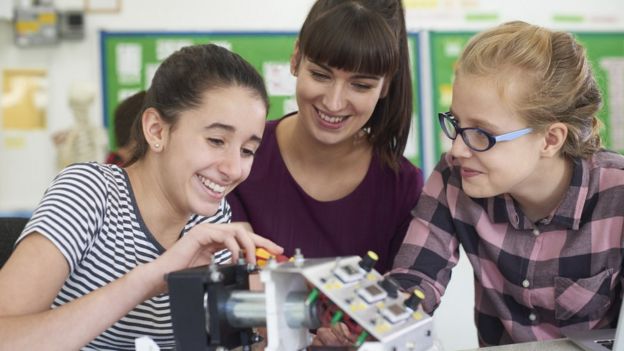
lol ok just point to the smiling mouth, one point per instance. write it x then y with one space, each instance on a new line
212 186
331 119
468 172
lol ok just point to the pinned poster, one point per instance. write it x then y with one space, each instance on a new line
24 99
166 47
279 79
129 63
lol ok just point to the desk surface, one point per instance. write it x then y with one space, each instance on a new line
550 345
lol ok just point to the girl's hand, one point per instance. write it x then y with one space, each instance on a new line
337 335
197 247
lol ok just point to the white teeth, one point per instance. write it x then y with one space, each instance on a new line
212 185
331 119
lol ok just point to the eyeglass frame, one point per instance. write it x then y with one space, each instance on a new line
492 139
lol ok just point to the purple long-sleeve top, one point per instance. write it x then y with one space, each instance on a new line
375 216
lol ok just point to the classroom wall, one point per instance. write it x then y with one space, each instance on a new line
31 154
27 158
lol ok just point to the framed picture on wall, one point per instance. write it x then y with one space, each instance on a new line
102 6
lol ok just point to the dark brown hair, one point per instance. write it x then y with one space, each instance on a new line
367 36
125 114
181 80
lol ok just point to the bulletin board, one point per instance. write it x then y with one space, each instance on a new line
605 51
129 60
415 146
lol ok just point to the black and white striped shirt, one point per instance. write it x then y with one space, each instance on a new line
90 214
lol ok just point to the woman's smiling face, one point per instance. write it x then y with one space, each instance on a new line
334 105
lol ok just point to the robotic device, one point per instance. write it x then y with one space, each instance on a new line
213 309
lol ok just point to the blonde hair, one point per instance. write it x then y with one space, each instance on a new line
560 84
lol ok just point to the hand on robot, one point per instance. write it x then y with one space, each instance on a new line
197 247
336 335
339 334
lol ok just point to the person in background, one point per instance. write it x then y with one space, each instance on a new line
527 191
331 178
88 268
125 115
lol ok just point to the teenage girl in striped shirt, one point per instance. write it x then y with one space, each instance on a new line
87 271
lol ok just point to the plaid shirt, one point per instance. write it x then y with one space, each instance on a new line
532 280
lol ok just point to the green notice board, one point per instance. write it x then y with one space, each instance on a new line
129 60
444 48
414 148
605 51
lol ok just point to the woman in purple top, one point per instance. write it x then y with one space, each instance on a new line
331 179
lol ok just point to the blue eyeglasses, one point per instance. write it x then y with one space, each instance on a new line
475 138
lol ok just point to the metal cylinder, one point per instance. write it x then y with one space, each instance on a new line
245 309
299 314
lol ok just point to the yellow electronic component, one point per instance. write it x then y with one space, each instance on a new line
382 327
358 306
419 294
262 253
373 255
333 285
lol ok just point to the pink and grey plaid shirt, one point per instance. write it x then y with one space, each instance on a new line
532 280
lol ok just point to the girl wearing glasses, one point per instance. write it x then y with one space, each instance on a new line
526 189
